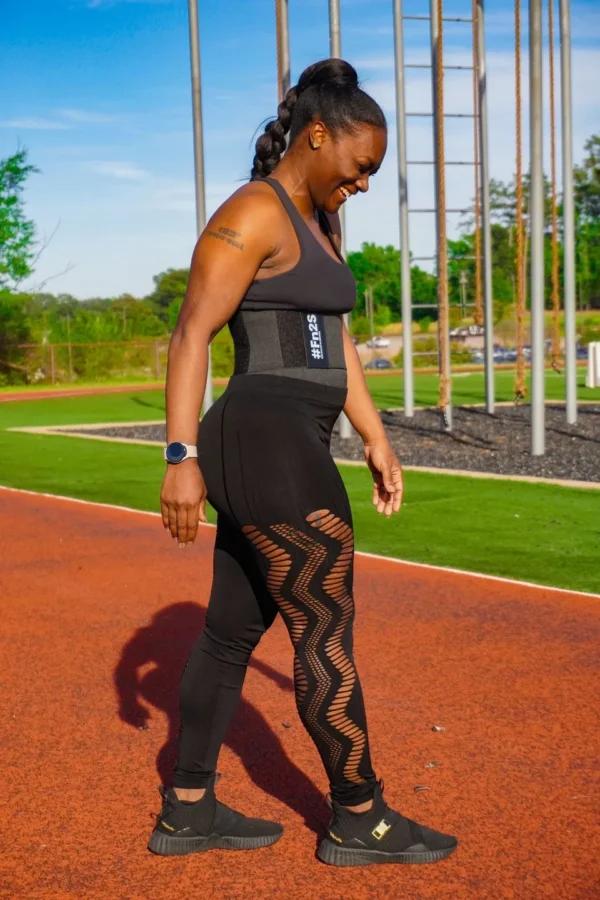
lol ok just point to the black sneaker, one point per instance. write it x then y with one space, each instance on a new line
380 835
207 824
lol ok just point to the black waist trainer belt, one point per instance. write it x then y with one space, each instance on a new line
289 342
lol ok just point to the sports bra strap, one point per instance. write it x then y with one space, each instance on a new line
298 223
296 218
326 227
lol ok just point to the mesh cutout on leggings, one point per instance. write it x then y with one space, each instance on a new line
280 563
335 585
322 717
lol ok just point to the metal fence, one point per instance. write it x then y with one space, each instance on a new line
146 360
69 363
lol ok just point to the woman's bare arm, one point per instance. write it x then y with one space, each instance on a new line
359 407
381 459
238 238
227 256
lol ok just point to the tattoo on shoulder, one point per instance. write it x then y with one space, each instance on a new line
228 235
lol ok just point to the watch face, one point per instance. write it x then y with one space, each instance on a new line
176 452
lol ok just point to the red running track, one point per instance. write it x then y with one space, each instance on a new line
100 609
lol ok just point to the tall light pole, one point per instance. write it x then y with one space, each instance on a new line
405 285
199 156
437 98
283 48
486 229
536 228
568 210
335 51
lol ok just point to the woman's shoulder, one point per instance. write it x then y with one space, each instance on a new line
256 194
253 202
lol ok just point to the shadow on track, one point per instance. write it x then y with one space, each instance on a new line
149 672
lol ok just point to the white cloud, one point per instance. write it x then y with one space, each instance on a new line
85 116
374 217
33 123
121 170
585 23
370 30
96 4
179 195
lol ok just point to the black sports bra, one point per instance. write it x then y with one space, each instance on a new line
317 283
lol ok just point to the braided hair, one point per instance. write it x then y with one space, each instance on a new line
327 90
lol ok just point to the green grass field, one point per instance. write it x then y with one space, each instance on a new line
540 533
388 389
469 388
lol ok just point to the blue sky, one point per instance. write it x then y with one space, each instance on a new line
98 91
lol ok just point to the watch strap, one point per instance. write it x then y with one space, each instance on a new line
192 450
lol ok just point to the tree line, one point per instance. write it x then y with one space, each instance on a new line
39 317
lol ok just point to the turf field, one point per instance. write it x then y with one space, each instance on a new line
540 533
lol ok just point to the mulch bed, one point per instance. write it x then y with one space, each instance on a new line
499 443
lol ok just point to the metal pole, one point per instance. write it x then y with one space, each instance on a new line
199 156
486 243
405 285
335 42
369 299
283 47
568 211
536 228
70 348
440 216
335 51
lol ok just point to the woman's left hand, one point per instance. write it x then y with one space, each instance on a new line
386 470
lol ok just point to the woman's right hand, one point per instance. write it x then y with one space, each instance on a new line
183 500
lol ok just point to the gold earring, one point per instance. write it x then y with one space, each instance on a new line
313 145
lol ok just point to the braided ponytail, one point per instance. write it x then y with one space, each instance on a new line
329 91
271 144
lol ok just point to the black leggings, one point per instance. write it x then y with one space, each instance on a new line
284 543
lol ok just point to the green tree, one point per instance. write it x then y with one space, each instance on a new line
379 267
17 232
587 224
169 289
424 294
14 330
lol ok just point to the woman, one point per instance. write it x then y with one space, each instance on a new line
269 265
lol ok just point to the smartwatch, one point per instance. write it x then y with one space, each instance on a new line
176 452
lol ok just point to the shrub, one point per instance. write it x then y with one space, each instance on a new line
222 355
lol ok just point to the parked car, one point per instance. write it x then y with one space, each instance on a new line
378 341
477 356
510 356
581 352
379 364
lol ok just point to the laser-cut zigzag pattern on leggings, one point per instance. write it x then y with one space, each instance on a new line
280 563
334 585
315 555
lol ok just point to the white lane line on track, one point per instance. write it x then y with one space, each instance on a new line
389 559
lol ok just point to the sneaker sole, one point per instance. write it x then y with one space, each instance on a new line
165 845
343 856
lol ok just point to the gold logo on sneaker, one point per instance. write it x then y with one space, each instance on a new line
169 827
381 830
335 837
